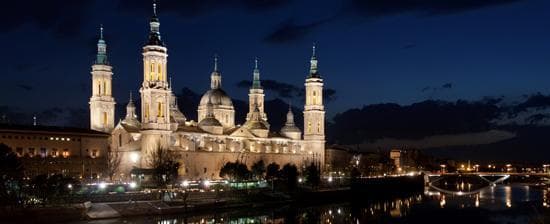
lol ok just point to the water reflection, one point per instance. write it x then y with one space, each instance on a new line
488 202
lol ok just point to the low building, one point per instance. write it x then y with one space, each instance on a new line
75 152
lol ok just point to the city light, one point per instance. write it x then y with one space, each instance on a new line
102 185
134 157
185 183
133 185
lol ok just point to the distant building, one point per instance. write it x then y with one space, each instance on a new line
74 152
395 155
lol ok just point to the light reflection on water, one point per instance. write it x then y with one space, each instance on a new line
490 202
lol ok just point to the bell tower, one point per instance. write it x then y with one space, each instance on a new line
314 113
102 103
256 95
155 91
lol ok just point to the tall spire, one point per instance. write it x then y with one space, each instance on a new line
313 70
215 62
256 81
215 77
154 34
101 57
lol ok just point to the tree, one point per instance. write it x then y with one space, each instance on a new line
164 167
272 171
113 163
48 188
258 169
312 175
235 171
290 174
11 177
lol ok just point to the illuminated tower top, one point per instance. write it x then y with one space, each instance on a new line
154 33
256 77
313 70
101 57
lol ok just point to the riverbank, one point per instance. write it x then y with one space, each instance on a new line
198 202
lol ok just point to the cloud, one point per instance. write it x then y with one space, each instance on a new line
189 8
289 31
62 18
286 90
447 86
378 8
25 87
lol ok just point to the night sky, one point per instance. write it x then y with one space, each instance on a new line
370 51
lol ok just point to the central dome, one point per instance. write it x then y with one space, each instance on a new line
217 97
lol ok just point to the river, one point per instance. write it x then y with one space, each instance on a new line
504 204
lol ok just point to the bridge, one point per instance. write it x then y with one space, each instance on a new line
432 179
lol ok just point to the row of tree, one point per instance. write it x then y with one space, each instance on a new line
16 190
237 171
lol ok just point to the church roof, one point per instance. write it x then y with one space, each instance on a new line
217 97
50 129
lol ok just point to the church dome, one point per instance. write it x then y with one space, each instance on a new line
210 122
290 129
217 97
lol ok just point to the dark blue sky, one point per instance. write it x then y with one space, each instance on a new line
370 51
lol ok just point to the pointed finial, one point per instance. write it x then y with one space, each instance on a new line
101 31
34 120
215 62
170 81
313 50
154 7
131 96
256 63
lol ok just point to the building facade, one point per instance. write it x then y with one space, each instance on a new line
203 146
75 152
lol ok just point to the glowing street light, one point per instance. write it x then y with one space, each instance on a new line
133 185
185 183
134 157
102 185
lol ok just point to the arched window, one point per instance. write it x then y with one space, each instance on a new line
99 87
146 110
309 126
152 71
159 71
104 118
314 97
104 87
119 140
318 127
160 112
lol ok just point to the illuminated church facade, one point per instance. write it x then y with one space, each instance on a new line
203 146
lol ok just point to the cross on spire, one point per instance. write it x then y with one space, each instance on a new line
154 8
101 31
215 62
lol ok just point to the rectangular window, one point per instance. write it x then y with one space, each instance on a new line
31 152
54 153
43 152
65 153
19 151
94 153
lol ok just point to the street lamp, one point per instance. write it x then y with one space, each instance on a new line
134 157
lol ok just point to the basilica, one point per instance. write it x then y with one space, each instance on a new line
204 145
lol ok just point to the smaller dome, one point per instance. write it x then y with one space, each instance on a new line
210 121
216 97
257 125
290 129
